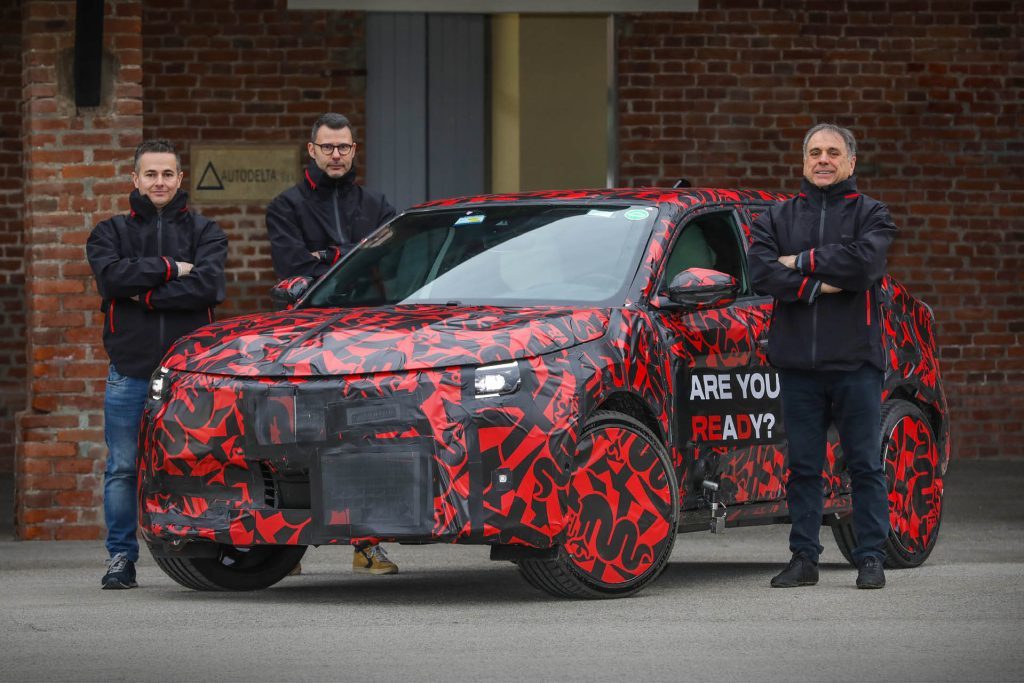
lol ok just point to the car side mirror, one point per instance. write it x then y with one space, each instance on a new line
287 292
697 288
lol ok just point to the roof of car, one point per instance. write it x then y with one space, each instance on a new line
688 197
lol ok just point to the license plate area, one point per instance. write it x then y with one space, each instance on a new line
382 492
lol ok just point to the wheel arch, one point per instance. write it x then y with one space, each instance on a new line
935 419
634 406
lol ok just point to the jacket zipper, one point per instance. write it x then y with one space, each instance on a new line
110 312
160 251
867 300
337 220
814 311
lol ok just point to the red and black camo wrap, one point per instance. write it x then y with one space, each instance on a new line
532 439
621 499
253 403
912 363
915 491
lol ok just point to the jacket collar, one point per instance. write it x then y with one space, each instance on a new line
318 181
846 189
143 209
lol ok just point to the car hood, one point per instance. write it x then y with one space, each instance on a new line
325 342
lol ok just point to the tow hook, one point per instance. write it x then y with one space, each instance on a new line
717 509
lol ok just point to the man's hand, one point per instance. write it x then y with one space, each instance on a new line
184 268
788 261
829 289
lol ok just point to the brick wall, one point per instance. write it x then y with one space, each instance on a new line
73 162
12 250
935 92
238 72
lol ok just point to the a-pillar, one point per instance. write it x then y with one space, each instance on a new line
77 162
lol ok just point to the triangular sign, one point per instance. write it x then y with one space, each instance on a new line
210 180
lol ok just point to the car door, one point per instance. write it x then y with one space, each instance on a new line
726 405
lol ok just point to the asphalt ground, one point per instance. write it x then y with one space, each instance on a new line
453 615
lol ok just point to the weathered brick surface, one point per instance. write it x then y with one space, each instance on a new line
935 92
69 156
247 72
722 96
12 250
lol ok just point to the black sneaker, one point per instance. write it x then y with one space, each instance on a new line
870 574
799 572
120 573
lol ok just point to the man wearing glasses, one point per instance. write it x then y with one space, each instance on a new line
314 223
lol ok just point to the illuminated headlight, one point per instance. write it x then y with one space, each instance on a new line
496 380
158 384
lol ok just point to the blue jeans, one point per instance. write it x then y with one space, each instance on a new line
123 403
811 400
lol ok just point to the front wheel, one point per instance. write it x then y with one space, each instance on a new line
910 455
234 568
621 514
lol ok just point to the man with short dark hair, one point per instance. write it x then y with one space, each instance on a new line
314 223
317 221
822 255
160 271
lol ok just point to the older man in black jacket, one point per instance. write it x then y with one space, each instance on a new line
160 271
822 255
317 221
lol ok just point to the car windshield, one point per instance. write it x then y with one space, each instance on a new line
494 255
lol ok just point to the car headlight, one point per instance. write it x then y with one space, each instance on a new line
496 380
159 386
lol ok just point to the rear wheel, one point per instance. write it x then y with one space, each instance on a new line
622 512
910 455
234 568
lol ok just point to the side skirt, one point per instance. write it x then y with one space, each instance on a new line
758 514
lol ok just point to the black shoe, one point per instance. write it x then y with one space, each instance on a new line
120 573
799 572
870 574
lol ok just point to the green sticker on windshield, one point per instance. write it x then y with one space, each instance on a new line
635 215
470 220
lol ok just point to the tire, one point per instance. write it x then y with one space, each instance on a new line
622 511
910 455
234 569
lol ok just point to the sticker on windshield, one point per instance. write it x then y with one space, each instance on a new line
635 215
599 212
469 220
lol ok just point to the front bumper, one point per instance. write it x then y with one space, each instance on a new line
412 456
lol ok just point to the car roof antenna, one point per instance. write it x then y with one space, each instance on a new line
681 183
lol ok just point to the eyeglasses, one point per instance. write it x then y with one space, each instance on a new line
344 148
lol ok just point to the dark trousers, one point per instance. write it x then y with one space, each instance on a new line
811 400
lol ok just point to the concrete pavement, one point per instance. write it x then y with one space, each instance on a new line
453 615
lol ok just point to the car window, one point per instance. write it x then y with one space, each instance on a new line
710 240
500 255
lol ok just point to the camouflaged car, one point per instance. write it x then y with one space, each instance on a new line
570 378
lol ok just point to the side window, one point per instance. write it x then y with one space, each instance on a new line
710 240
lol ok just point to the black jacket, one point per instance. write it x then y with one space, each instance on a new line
840 237
321 214
147 305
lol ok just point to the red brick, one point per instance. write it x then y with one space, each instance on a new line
77 532
53 449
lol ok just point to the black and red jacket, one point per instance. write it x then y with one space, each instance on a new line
321 215
839 237
147 305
